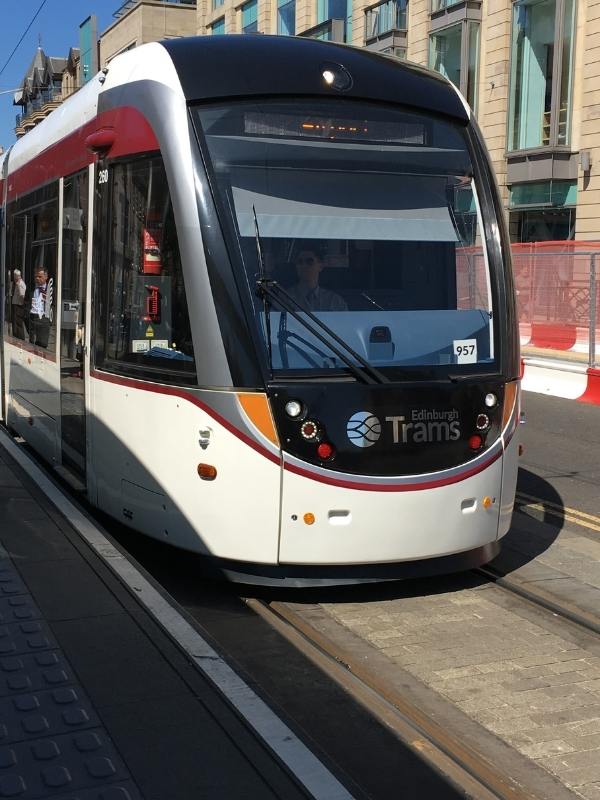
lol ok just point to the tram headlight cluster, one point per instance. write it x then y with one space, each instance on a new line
310 429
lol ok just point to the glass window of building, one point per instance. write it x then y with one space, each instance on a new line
543 210
218 27
385 17
440 5
335 9
454 52
286 17
217 3
250 17
541 73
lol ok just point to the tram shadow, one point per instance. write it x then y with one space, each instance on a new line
538 519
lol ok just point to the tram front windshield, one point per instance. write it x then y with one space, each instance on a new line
368 218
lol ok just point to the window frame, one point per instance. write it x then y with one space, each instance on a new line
557 63
24 208
465 24
102 282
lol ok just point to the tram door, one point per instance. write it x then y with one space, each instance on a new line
73 321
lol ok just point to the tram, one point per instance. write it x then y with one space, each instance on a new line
258 304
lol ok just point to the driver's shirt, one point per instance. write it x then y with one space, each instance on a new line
317 299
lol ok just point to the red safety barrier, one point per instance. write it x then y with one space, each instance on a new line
592 392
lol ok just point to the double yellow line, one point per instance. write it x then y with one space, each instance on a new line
554 510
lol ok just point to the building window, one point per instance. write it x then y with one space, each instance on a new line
542 210
454 52
217 3
440 5
384 18
398 52
541 73
218 27
250 17
335 9
286 17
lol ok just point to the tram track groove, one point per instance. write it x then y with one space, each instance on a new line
542 599
467 770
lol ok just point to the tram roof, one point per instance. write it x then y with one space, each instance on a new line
214 67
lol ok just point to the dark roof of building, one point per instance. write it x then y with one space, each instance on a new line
41 72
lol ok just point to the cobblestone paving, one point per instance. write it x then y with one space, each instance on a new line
537 689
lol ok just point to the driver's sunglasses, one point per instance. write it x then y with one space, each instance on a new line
309 260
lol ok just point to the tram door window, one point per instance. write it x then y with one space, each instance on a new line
73 319
142 324
32 234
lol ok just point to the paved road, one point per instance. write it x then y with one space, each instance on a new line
561 462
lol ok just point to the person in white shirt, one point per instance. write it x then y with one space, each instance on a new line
40 312
307 292
18 305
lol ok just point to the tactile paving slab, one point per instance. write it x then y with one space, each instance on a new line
58 764
27 716
122 791
33 672
18 609
51 742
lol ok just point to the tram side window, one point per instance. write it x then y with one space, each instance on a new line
143 326
31 252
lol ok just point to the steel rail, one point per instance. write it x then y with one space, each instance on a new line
542 599
461 765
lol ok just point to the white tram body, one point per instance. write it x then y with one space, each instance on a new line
173 369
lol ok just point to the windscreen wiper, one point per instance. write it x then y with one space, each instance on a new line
284 338
263 277
366 373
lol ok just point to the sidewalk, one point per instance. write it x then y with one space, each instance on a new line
97 700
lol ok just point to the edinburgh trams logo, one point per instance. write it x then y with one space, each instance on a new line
363 429
419 426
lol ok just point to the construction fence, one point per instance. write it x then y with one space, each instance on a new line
558 297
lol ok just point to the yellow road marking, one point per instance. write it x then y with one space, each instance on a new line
562 512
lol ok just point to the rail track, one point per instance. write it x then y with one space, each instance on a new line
468 770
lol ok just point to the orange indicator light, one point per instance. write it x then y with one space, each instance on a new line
309 518
207 472
487 502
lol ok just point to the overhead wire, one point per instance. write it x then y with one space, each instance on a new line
25 32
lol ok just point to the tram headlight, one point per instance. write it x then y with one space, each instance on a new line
294 408
490 400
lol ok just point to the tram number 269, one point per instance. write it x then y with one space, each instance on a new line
102 176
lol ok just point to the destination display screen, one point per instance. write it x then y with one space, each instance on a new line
316 126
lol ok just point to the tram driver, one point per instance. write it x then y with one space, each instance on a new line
306 291
40 314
